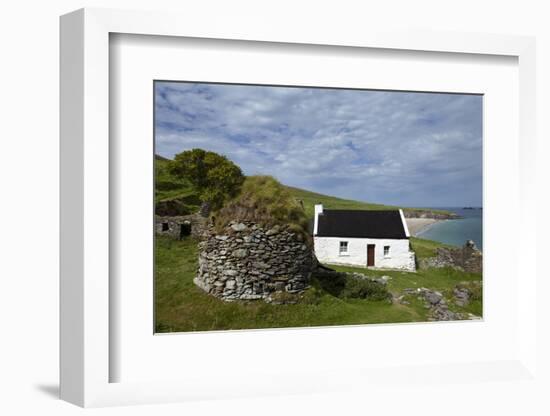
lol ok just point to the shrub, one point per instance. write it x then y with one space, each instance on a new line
347 286
331 282
357 288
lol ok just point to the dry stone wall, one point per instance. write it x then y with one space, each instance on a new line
248 261
467 258
180 226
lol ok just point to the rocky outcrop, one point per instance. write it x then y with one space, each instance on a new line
436 303
466 292
426 213
467 258
248 261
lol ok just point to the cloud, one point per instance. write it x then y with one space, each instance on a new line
413 149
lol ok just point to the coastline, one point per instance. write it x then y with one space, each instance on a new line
417 226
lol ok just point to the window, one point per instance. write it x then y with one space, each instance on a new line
343 247
386 251
165 226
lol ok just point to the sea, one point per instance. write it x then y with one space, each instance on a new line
456 232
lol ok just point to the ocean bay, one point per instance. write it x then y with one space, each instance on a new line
456 232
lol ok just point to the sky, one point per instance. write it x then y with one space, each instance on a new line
402 148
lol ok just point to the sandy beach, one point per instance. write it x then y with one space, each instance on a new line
417 225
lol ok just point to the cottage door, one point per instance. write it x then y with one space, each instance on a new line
370 255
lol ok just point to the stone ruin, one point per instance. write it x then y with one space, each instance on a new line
181 226
467 258
248 261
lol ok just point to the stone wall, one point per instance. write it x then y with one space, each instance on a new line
178 226
248 261
172 208
467 258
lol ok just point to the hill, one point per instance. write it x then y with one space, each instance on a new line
170 191
309 200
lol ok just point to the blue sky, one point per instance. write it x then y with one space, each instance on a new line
409 149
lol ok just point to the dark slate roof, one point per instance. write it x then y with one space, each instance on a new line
360 224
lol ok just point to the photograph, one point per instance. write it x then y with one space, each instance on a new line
282 206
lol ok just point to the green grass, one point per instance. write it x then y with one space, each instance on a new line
168 187
264 200
441 279
331 202
426 248
438 279
181 306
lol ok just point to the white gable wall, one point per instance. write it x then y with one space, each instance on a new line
327 250
318 211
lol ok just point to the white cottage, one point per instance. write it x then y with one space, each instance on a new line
377 239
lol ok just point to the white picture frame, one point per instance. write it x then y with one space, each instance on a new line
86 356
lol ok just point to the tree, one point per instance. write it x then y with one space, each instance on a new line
214 177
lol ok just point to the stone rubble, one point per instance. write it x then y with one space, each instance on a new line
462 296
467 258
435 302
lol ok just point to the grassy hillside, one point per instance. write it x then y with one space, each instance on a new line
426 248
168 188
331 202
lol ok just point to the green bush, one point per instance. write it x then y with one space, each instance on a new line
347 286
331 282
213 176
357 288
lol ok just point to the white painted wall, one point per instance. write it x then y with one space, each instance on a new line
405 226
318 211
327 250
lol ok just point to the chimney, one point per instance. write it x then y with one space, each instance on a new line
318 211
